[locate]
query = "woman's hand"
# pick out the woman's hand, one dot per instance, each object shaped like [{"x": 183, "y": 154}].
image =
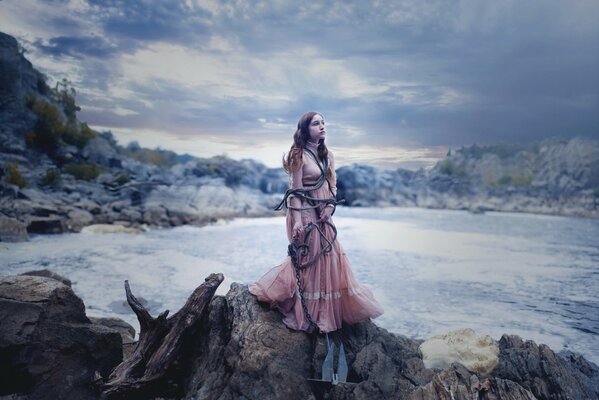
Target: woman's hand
[
  {"x": 325, "y": 214},
  {"x": 297, "y": 233}
]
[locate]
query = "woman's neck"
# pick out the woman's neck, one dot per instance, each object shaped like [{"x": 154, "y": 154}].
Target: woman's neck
[{"x": 312, "y": 145}]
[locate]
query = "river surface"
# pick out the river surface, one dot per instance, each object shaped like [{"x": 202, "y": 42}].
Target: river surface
[{"x": 432, "y": 270}]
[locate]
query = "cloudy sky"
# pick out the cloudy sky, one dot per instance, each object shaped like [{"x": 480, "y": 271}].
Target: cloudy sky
[{"x": 397, "y": 81}]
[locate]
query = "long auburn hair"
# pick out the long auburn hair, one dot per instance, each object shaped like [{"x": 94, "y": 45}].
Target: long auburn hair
[{"x": 294, "y": 158}]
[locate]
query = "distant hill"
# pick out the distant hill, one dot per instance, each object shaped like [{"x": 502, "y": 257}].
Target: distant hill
[{"x": 554, "y": 176}]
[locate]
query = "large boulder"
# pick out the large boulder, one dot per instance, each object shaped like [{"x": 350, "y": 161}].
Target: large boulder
[
  {"x": 126, "y": 331},
  {"x": 251, "y": 353},
  {"x": 78, "y": 219},
  {"x": 48, "y": 347},
  {"x": 49, "y": 274},
  {"x": 99, "y": 150},
  {"x": 50, "y": 224},
  {"x": 546, "y": 374},
  {"x": 244, "y": 351}
]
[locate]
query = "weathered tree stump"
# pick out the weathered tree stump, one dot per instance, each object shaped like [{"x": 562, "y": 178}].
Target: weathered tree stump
[{"x": 160, "y": 343}]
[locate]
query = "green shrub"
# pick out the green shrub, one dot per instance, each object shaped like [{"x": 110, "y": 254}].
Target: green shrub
[
  {"x": 448, "y": 167},
  {"x": 49, "y": 127},
  {"x": 502, "y": 150},
  {"x": 52, "y": 178},
  {"x": 157, "y": 156},
  {"x": 505, "y": 180},
  {"x": 83, "y": 171},
  {"x": 50, "y": 130},
  {"x": 13, "y": 176},
  {"x": 522, "y": 179},
  {"x": 123, "y": 178},
  {"x": 109, "y": 137},
  {"x": 78, "y": 134},
  {"x": 64, "y": 94}
]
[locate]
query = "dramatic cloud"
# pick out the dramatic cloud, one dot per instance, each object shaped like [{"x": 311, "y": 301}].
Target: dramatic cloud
[{"x": 397, "y": 81}]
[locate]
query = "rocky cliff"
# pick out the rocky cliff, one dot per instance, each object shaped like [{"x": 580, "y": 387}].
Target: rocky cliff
[
  {"x": 552, "y": 177},
  {"x": 58, "y": 175},
  {"x": 240, "y": 349}
]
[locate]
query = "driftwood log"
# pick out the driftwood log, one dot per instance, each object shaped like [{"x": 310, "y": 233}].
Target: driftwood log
[{"x": 160, "y": 343}]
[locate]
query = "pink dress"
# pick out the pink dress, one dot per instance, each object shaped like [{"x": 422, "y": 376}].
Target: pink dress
[{"x": 332, "y": 294}]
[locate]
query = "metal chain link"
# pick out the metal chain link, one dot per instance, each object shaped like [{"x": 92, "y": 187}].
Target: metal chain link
[{"x": 292, "y": 250}]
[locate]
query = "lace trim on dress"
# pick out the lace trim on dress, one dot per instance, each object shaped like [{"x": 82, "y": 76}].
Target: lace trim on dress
[{"x": 332, "y": 295}]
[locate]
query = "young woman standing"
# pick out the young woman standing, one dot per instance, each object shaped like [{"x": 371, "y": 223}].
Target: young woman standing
[{"x": 314, "y": 288}]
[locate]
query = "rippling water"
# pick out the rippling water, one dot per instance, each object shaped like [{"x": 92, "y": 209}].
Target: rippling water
[{"x": 433, "y": 271}]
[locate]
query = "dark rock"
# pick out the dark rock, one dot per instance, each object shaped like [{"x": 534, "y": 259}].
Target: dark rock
[
  {"x": 545, "y": 374},
  {"x": 156, "y": 216},
  {"x": 251, "y": 353},
  {"x": 242, "y": 350},
  {"x": 12, "y": 230},
  {"x": 245, "y": 351},
  {"x": 8, "y": 190},
  {"x": 49, "y": 274},
  {"x": 18, "y": 79},
  {"x": 88, "y": 205},
  {"x": 126, "y": 331},
  {"x": 273, "y": 180},
  {"x": 48, "y": 347},
  {"x": 99, "y": 150},
  {"x": 52, "y": 224},
  {"x": 457, "y": 383}
]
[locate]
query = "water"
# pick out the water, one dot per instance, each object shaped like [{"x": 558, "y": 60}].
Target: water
[{"x": 433, "y": 271}]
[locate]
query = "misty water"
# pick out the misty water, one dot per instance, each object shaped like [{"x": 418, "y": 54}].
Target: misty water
[{"x": 432, "y": 270}]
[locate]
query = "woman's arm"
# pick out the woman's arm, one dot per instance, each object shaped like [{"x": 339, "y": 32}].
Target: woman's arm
[
  {"x": 327, "y": 211},
  {"x": 333, "y": 178},
  {"x": 295, "y": 182}
]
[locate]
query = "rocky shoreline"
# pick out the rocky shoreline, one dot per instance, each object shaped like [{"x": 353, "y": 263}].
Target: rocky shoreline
[
  {"x": 240, "y": 349},
  {"x": 552, "y": 177}
]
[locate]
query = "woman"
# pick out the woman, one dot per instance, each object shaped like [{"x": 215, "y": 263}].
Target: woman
[{"x": 314, "y": 288}]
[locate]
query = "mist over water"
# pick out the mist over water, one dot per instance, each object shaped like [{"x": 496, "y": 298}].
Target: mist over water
[{"x": 432, "y": 270}]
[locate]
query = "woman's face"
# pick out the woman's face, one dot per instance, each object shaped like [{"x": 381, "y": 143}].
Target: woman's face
[{"x": 317, "y": 131}]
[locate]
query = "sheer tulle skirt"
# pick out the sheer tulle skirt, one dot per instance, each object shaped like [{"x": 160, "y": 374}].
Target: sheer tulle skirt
[{"x": 332, "y": 294}]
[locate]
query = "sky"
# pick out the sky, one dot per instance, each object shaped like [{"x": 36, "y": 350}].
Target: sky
[{"x": 398, "y": 82}]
